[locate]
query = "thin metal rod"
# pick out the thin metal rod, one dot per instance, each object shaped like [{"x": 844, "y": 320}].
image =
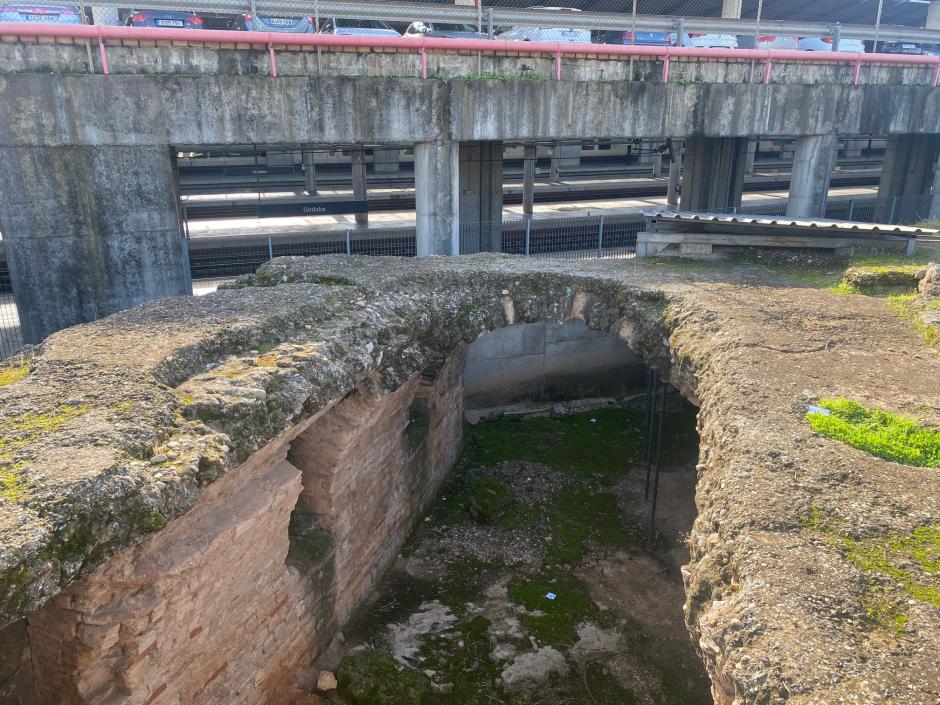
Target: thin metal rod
[
  {"x": 659, "y": 457},
  {"x": 652, "y": 380}
]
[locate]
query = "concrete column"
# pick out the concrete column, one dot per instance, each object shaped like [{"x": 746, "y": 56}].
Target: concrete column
[
  {"x": 675, "y": 170},
  {"x": 907, "y": 176},
  {"x": 731, "y": 9},
  {"x": 97, "y": 231},
  {"x": 751, "y": 157},
  {"x": 813, "y": 162},
  {"x": 713, "y": 178},
  {"x": 310, "y": 173},
  {"x": 564, "y": 155},
  {"x": 935, "y": 196},
  {"x": 481, "y": 194},
  {"x": 359, "y": 183},
  {"x": 530, "y": 160},
  {"x": 385, "y": 161},
  {"x": 437, "y": 198},
  {"x": 933, "y": 15}
]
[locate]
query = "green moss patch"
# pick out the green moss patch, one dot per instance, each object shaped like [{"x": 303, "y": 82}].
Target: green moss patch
[
  {"x": 910, "y": 308},
  {"x": 553, "y": 621},
  {"x": 878, "y": 280},
  {"x": 489, "y": 499},
  {"x": 885, "y": 435},
  {"x": 576, "y": 515},
  {"x": 373, "y": 678},
  {"x": 574, "y": 444}
]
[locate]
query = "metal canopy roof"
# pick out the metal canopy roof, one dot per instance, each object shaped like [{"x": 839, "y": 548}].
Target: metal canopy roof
[{"x": 808, "y": 223}]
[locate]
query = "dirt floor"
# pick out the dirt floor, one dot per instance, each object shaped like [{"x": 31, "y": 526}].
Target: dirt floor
[{"x": 532, "y": 580}]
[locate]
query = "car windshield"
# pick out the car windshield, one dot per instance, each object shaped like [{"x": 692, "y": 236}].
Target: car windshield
[{"x": 362, "y": 24}]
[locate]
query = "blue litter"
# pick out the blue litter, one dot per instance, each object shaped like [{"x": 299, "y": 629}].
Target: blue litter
[
  {"x": 818, "y": 410},
  {"x": 551, "y": 595},
  {"x": 593, "y": 420}
]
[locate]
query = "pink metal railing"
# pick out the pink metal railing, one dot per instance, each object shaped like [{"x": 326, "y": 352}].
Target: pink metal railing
[{"x": 422, "y": 45}]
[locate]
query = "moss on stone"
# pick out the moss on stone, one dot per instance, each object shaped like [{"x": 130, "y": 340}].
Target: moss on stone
[
  {"x": 553, "y": 620},
  {"x": 9, "y": 375},
  {"x": 373, "y": 678},
  {"x": 489, "y": 499},
  {"x": 883, "y": 434}
]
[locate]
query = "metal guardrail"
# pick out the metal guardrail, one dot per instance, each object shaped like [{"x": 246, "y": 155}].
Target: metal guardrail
[{"x": 506, "y": 16}]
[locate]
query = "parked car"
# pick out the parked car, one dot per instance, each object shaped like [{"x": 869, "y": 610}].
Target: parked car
[
  {"x": 548, "y": 34},
  {"x": 45, "y": 14},
  {"x": 652, "y": 39},
  {"x": 825, "y": 44},
  {"x": 366, "y": 28},
  {"x": 442, "y": 30},
  {"x": 769, "y": 41},
  {"x": 910, "y": 48},
  {"x": 165, "y": 18},
  {"x": 707, "y": 41},
  {"x": 271, "y": 23}
]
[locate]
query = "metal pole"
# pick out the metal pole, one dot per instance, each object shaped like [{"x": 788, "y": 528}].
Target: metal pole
[
  {"x": 680, "y": 30},
  {"x": 659, "y": 458},
  {"x": 254, "y": 12},
  {"x": 489, "y": 22},
  {"x": 633, "y": 34},
  {"x": 270, "y": 249},
  {"x": 851, "y": 209},
  {"x": 348, "y": 244},
  {"x": 760, "y": 14},
  {"x": 528, "y": 235},
  {"x": 836, "y": 36},
  {"x": 652, "y": 378},
  {"x": 894, "y": 208},
  {"x": 600, "y": 237}
]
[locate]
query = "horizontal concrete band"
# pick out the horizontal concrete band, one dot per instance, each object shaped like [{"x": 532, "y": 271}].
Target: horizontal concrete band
[{"x": 54, "y": 110}]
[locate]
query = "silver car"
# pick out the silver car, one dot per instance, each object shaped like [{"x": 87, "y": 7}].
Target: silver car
[
  {"x": 825, "y": 44},
  {"x": 357, "y": 28},
  {"x": 548, "y": 34},
  {"x": 703, "y": 40}
]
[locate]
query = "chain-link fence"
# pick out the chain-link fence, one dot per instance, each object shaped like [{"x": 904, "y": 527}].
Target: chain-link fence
[{"x": 611, "y": 235}]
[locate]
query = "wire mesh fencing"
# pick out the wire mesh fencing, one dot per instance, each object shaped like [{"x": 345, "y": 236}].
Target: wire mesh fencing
[{"x": 11, "y": 338}]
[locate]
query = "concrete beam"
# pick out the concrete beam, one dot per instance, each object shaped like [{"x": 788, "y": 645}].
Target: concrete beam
[
  {"x": 813, "y": 162},
  {"x": 93, "y": 231},
  {"x": 933, "y": 15},
  {"x": 437, "y": 198},
  {"x": 713, "y": 178},
  {"x": 731, "y": 9},
  {"x": 481, "y": 196},
  {"x": 906, "y": 177}
]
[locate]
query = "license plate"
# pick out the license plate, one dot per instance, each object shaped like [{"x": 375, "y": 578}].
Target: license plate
[
  {"x": 279, "y": 21},
  {"x": 42, "y": 18},
  {"x": 169, "y": 23}
]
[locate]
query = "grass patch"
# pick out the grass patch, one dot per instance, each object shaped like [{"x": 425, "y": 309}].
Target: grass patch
[
  {"x": 576, "y": 515},
  {"x": 9, "y": 375},
  {"x": 885, "y": 435},
  {"x": 573, "y": 444},
  {"x": 907, "y": 308}
]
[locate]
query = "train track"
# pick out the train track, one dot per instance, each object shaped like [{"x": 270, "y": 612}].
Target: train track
[{"x": 403, "y": 202}]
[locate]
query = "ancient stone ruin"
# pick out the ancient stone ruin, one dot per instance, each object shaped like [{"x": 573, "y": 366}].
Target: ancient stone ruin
[{"x": 198, "y": 493}]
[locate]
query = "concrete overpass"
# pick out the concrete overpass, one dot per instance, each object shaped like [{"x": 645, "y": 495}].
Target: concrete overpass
[{"x": 91, "y": 209}]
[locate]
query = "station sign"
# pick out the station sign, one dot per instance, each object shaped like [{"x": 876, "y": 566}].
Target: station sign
[
  {"x": 259, "y": 170},
  {"x": 282, "y": 210}
]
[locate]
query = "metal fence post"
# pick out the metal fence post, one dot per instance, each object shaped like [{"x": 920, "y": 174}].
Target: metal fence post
[
  {"x": 270, "y": 248},
  {"x": 348, "y": 244},
  {"x": 600, "y": 237},
  {"x": 894, "y": 208},
  {"x": 836, "y": 36},
  {"x": 528, "y": 235},
  {"x": 680, "y": 31},
  {"x": 851, "y": 209},
  {"x": 489, "y": 22}
]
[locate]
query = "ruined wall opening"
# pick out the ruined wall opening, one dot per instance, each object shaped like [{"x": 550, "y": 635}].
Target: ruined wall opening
[{"x": 533, "y": 577}]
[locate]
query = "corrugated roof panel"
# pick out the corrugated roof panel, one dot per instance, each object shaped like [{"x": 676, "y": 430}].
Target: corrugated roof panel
[{"x": 818, "y": 223}]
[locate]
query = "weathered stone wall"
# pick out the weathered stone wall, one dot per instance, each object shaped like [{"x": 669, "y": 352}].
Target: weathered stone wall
[{"x": 231, "y": 600}]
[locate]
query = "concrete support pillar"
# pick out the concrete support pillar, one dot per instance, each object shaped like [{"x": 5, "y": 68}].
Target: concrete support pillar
[
  {"x": 385, "y": 161},
  {"x": 933, "y": 15},
  {"x": 310, "y": 173},
  {"x": 98, "y": 231},
  {"x": 675, "y": 171},
  {"x": 731, "y": 9},
  {"x": 751, "y": 157},
  {"x": 813, "y": 163},
  {"x": 530, "y": 160},
  {"x": 481, "y": 195},
  {"x": 564, "y": 155},
  {"x": 359, "y": 183},
  {"x": 935, "y": 195},
  {"x": 713, "y": 178},
  {"x": 907, "y": 176},
  {"x": 437, "y": 198}
]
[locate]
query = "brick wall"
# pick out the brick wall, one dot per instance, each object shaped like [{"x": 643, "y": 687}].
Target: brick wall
[{"x": 210, "y": 610}]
